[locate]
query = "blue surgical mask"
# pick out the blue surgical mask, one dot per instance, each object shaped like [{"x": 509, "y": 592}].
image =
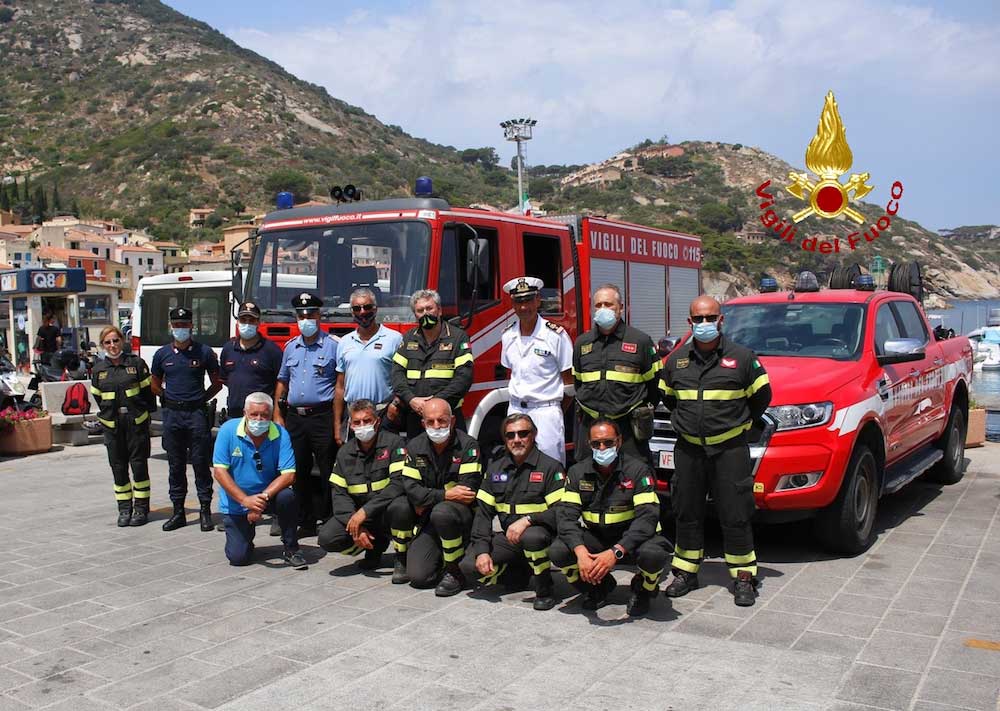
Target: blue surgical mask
[
  {"x": 181, "y": 334},
  {"x": 248, "y": 331},
  {"x": 605, "y": 318},
  {"x": 705, "y": 332},
  {"x": 258, "y": 427},
  {"x": 604, "y": 457},
  {"x": 308, "y": 327}
]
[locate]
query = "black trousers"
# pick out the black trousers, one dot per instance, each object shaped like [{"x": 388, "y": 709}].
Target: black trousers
[
  {"x": 531, "y": 555},
  {"x": 650, "y": 558},
  {"x": 187, "y": 437},
  {"x": 312, "y": 441},
  {"x": 240, "y": 532},
  {"x": 728, "y": 475},
  {"x": 334, "y": 538},
  {"x": 429, "y": 541},
  {"x": 630, "y": 445},
  {"x": 128, "y": 445}
]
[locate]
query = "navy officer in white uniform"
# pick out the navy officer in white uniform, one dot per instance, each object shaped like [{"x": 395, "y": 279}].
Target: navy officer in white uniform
[{"x": 539, "y": 354}]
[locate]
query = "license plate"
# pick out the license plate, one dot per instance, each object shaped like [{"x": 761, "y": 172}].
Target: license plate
[{"x": 666, "y": 460}]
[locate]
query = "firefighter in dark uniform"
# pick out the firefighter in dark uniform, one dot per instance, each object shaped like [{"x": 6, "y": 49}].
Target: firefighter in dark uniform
[
  {"x": 123, "y": 389},
  {"x": 521, "y": 489},
  {"x": 434, "y": 360},
  {"x": 615, "y": 373},
  {"x": 430, "y": 523},
  {"x": 715, "y": 389},
  {"x": 364, "y": 481},
  {"x": 306, "y": 380},
  {"x": 178, "y": 371},
  {"x": 615, "y": 496}
]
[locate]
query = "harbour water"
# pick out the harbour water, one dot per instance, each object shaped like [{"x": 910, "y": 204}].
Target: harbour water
[{"x": 964, "y": 317}]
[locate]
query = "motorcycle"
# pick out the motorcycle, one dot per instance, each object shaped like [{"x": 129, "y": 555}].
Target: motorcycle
[
  {"x": 12, "y": 390},
  {"x": 60, "y": 366}
]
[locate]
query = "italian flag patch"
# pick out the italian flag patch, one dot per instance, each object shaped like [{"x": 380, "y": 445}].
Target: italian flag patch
[
  {"x": 560, "y": 476},
  {"x": 645, "y": 481},
  {"x": 401, "y": 451}
]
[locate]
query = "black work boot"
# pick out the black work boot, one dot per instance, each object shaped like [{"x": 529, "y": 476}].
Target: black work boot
[
  {"x": 371, "y": 561},
  {"x": 452, "y": 582},
  {"x": 597, "y": 596},
  {"x": 176, "y": 519},
  {"x": 744, "y": 589},
  {"x": 399, "y": 576},
  {"x": 205, "y": 518},
  {"x": 124, "y": 513},
  {"x": 683, "y": 583},
  {"x": 140, "y": 513},
  {"x": 544, "y": 592},
  {"x": 638, "y": 602}
]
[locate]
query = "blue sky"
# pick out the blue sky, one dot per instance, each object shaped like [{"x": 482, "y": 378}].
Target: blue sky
[{"x": 918, "y": 83}]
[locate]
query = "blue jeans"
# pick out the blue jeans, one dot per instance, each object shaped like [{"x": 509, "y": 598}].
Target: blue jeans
[{"x": 240, "y": 532}]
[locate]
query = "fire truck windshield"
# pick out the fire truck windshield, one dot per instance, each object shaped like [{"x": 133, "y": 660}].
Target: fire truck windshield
[
  {"x": 791, "y": 329},
  {"x": 389, "y": 258}
]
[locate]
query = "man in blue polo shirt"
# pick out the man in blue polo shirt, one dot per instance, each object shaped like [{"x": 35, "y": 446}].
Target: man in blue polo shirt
[
  {"x": 364, "y": 359},
  {"x": 255, "y": 466},
  {"x": 307, "y": 376},
  {"x": 249, "y": 363}
]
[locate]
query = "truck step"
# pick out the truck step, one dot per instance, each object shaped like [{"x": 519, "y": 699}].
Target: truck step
[{"x": 910, "y": 468}]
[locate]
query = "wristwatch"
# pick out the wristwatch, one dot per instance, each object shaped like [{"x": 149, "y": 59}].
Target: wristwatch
[
  {"x": 619, "y": 551},
  {"x": 267, "y": 497}
]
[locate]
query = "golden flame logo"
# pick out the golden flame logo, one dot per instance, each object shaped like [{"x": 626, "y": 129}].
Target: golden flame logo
[{"x": 829, "y": 156}]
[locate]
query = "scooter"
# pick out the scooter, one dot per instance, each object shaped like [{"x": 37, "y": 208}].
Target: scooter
[
  {"x": 12, "y": 390},
  {"x": 61, "y": 366}
]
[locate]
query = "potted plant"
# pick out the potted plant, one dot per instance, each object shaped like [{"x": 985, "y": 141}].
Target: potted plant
[
  {"x": 975, "y": 435},
  {"x": 27, "y": 431}
]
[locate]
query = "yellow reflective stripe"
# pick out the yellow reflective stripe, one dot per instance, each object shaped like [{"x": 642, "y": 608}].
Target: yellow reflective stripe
[
  {"x": 450, "y": 485},
  {"x": 338, "y": 480},
  {"x": 141, "y": 485},
  {"x": 716, "y": 439},
  {"x": 615, "y": 376},
  {"x": 593, "y": 413},
  {"x": 685, "y": 565},
  {"x": 463, "y": 359},
  {"x": 439, "y": 373},
  {"x": 667, "y": 390},
  {"x": 536, "y": 555},
  {"x": 220, "y": 465},
  {"x": 470, "y": 468},
  {"x": 686, "y": 394},
  {"x": 353, "y": 550},
  {"x": 653, "y": 370},
  {"x": 648, "y": 497},
  {"x": 396, "y": 466},
  {"x": 530, "y": 508},
  {"x": 608, "y": 518},
  {"x": 493, "y": 577},
  {"x": 572, "y": 497},
  {"x": 649, "y": 580},
  {"x": 96, "y": 391},
  {"x": 123, "y": 487},
  {"x": 591, "y": 377},
  {"x": 142, "y": 418},
  {"x": 486, "y": 497},
  {"x": 124, "y": 497},
  {"x": 402, "y": 533},
  {"x": 554, "y": 497},
  {"x": 400, "y": 360},
  {"x": 141, "y": 493},
  {"x": 380, "y": 484},
  {"x": 501, "y": 508},
  {"x": 758, "y": 384},
  {"x": 106, "y": 423},
  {"x": 572, "y": 573},
  {"x": 357, "y": 489},
  {"x": 723, "y": 394},
  {"x": 145, "y": 382},
  {"x": 108, "y": 396},
  {"x": 591, "y": 517},
  {"x": 451, "y": 542},
  {"x": 412, "y": 473},
  {"x": 452, "y": 556},
  {"x": 750, "y": 557},
  {"x": 131, "y": 392},
  {"x": 689, "y": 554},
  {"x": 413, "y": 375}
]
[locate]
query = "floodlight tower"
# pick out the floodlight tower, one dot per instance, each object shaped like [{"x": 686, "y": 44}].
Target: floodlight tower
[{"x": 519, "y": 131}]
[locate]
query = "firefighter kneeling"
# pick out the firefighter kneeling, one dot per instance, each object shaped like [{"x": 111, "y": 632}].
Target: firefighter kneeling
[{"x": 614, "y": 494}]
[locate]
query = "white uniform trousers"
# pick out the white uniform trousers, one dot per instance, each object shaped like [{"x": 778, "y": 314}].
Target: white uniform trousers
[{"x": 551, "y": 438}]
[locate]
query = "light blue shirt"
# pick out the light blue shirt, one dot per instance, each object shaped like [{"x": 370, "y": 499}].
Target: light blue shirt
[
  {"x": 310, "y": 371},
  {"x": 234, "y": 450},
  {"x": 366, "y": 365}
]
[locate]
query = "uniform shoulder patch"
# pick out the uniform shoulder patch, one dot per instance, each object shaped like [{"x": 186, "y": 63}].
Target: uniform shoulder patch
[
  {"x": 586, "y": 348},
  {"x": 586, "y": 485},
  {"x": 728, "y": 363},
  {"x": 401, "y": 451},
  {"x": 682, "y": 363},
  {"x": 473, "y": 452},
  {"x": 629, "y": 347},
  {"x": 554, "y": 326},
  {"x": 536, "y": 477},
  {"x": 559, "y": 476},
  {"x": 412, "y": 345},
  {"x": 645, "y": 481}
]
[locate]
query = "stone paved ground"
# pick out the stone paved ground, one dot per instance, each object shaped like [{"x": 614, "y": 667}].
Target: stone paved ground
[{"x": 96, "y": 617}]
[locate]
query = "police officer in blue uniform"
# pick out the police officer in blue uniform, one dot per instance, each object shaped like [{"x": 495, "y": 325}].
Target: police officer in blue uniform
[
  {"x": 306, "y": 381},
  {"x": 178, "y": 374},
  {"x": 249, "y": 363}
]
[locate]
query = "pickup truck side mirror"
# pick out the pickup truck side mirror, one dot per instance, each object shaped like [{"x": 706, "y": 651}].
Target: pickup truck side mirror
[{"x": 901, "y": 350}]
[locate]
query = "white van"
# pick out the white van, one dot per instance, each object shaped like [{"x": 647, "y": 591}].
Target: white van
[{"x": 209, "y": 297}]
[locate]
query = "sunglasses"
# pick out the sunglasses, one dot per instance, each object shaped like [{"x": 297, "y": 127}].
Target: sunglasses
[
  {"x": 110, "y": 341},
  {"x": 258, "y": 462},
  {"x": 602, "y": 443},
  {"x": 711, "y": 318},
  {"x": 523, "y": 434},
  {"x": 362, "y": 307}
]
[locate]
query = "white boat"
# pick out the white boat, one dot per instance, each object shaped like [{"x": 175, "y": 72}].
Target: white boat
[{"x": 987, "y": 354}]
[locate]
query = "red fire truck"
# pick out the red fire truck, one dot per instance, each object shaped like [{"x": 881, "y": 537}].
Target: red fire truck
[{"x": 395, "y": 247}]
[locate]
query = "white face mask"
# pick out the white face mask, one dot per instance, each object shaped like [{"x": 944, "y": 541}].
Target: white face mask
[
  {"x": 439, "y": 435},
  {"x": 365, "y": 433},
  {"x": 258, "y": 427}
]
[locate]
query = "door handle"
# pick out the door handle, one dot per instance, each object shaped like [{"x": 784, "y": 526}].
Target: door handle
[
  {"x": 939, "y": 362},
  {"x": 883, "y": 389},
  {"x": 914, "y": 373}
]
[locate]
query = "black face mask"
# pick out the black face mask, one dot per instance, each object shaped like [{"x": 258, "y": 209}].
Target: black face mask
[
  {"x": 365, "y": 318},
  {"x": 428, "y": 321}
]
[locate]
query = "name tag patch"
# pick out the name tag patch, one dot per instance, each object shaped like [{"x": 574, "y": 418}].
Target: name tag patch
[
  {"x": 629, "y": 348},
  {"x": 683, "y": 363},
  {"x": 536, "y": 477},
  {"x": 498, "y": 477},
  {"x": 586, "y": 348},
  {"x": 627, "y": 484},
  {"x": 728, "y": 363},
  {"x": 586, "y": 486},
  {"x": 377, "y": 347},
  {"x": 412, "y": 345},
  {"x": 542, "y": 352},
  {"x": 446, "y": 346}
]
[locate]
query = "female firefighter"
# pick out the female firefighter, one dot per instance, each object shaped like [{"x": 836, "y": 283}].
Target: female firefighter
[{"x": 121, "y": 386}]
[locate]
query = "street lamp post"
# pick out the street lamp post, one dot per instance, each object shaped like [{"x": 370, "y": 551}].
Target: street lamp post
[{"x": 519, "y": 131}]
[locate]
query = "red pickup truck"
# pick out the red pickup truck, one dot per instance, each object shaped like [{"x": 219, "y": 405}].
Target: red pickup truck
[{"x": 865, "y": 399}]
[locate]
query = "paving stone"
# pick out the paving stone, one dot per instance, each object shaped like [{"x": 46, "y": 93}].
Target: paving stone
[
  {"x": 10, "y": 679},
  {"x": 794, "y": 604},
  {"x": 974, "y": 691},
  {"x": 955, "y": 653},
  {"x": 949, "y": 550},
  {"x": 913, "y": 623},
  {"x": 835, "y": 622},
  {"x": 898, "y": 650},
  {"x": 708, "y": 625},
  {"x": 865, "y": 605},
  {"x": 319, "y": 620},
  {"x": 975, "y": 616},
  {"x": 135, "y": 614},
  {"x": 55, "y": 688},
  {"x": 878, "y": 686},
  {"x": 872, "y": 586},
  {"x": 141, "y": 659},
  {"x": 777, "y": 629},
  {"x": 49, "y": 663},
  {"x": 911, "y": 602},
  {"x": 151, "y": 629},
  {"x": 326, "y": 644},
  {"x": 156, "y": 681},
  {"x": 213, "y": 691},
  {"x": 54, "y": 618},
  {"x": 832, "y": 644},
  {"x": 236, "y": 625},
  {"x": 242, "y": 649},
  {"x": 65, "y": 636},
  {"x": 435, "y": 696}
]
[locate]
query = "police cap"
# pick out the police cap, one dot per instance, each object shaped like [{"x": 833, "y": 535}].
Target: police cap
[
  {"x": 180, "y": 314},
  {"x": 249, "y": 308},
  {"x": 305, "y": 300},
  {"x": 523, "y": 288}
]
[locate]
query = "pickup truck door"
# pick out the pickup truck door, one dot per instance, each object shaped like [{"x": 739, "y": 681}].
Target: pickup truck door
[
  {"x": 894, "y": 384},
  {"x": 927, "y": 418}
]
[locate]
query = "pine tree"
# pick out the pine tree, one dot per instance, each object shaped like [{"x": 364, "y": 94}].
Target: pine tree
[
  {"x": 75, "y": 209},
  {"x": 4, "y": 199},
  {"x": 39, "y": 206},
  {"x": 26, "y": 196},
  {"x": 56, "y": 203}
]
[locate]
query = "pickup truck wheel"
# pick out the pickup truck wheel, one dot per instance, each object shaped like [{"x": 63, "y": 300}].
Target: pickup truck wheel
[
  {"x": 845, "y": 526},
  {"x": 951, "y": 468}
]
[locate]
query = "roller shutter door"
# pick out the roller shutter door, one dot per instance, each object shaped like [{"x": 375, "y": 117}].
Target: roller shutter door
[
  {"x": 607, "y": 271},
  {"x": 683, "y": 289},
  {"x": 648, "y": 305}
]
